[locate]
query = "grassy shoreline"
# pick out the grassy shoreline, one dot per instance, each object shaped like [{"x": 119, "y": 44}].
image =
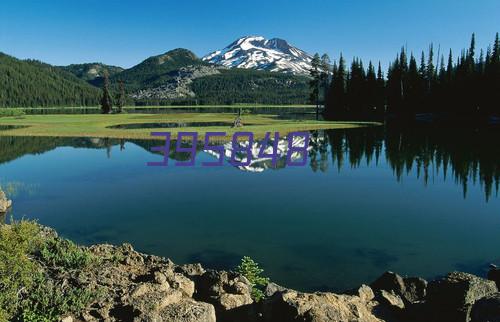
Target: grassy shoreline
[
  {"x": 98, "y": 125},
  {"x": 132, "y": 107}
]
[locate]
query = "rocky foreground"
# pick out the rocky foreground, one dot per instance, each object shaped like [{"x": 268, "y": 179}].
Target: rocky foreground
[
  {"x": 5, "y": 203},
  {"x": 139, "y": 287},
  {"x": 46, "y": 278}
]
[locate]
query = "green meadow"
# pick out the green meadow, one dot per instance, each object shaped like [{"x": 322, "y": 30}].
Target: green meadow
[{"x": 100, "y": 125}]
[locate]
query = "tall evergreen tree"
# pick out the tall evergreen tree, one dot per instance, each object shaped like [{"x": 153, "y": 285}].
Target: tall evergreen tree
[
  {"x": 414, "y": 89},
  {"x": 120, "y": 101},
  {"x": 356, "y": 88},
  {"x": 371, "y": 90},
  {"x": 106, "y": 103},
  {"x": 449, "y": 68},
  {"x": 430, "y": 72},
  {"x": 495, "y": 54},
  {"x": 472, "y": 48},
  {"x": 336, "y": 94},
  {"x": 380, "y": 104},
  {"x": 315, "y": 82},
  {"x": 324, "y": 80}
]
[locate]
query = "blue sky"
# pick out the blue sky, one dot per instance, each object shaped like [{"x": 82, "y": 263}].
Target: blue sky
[{"x": 126, "y": 32}]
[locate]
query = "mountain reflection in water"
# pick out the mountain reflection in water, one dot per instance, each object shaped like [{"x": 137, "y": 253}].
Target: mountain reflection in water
[{"x": 467, "y": 156}]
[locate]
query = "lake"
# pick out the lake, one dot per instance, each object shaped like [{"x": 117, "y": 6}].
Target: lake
[{"x": 416, "y": 200}]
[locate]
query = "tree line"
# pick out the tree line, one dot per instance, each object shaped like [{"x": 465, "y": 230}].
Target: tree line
[
  {"x": 463, "y": 87},
  {"x": 30, "y": 83}
]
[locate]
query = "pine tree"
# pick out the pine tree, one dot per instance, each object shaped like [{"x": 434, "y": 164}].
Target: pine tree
[
  {"x": 414, "y": 87},
  {"x": 356, "y": 88},
  {"x": 472, "y": 48},
  {"x": 371, "y": 89},
  {"x": 253, "y": 273},
  {"x": 336, "y": 106},
  {"x": 495, "y": 55},
  {"x": 494, "y": 78},
  {"x": 449, "y": 68},
  {"x": 324, "y": 79},
  {"x": 106, "y": 103},
  {"x": 423, "y": 68},
  {"x": 380, "y": 90},
  {"x": 315, "y": 82},
  {"x": 430, "y": 72},
  {"x": 120, "y": 101}
]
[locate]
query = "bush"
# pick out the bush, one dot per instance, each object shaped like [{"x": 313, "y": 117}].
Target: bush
[
  {"x": 26, "y": 292},
  {"x": 17, "y": 241},
  {"x": 48, "y": 302},
  {"x": 15, "y": 112},
  {"x": 64, "y": 253},
  {"x": 251, "y": 270}
]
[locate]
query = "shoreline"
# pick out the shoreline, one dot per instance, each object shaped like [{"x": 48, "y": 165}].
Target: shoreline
[
  {"x": 101, "y": 125},
  {"x": 121, "y": 284}
]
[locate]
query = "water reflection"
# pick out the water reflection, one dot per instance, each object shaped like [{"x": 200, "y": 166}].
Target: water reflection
[
  {"x": 260, "y": 163},
  {"x": 467, "y": 156}
]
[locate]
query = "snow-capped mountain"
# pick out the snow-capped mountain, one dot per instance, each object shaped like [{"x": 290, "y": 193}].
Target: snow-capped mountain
[{"x": 263, "y": 54}]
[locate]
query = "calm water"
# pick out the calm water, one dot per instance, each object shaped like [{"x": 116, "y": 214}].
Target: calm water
[{"x": 418, "y": 201}]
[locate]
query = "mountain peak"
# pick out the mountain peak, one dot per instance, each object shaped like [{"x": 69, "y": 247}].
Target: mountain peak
[
  {"x": 174, "y": 54},
  {"x": 257, "y": 52}
]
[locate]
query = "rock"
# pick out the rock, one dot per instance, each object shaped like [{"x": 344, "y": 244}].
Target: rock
[
  {"x": 180, "y": 282},
  {"x": 160, "y": 278},
  {"x": 149, "y": 297},
  {"x": 67, "y": 319},
  {"x": 365, "y": 293},
  {"x": 272, "y": 288},
  {"x": 318, "y": 307},
  {"x": 191, "y": 269},
  {"x": 188, "y": 311},
  {"x": 179, "y": 85},
  {"x": 5, "y": 203},
  {"x": 229, "y": 292},
  {"x": 392, "y": 300},
  {"x": 389, "y": 281},
  {"x": 494, "y": 274},
  {"x": 415, "y": 289},
  {"x": 486, "y": 309},
  {"x": 226, "y": 290},
  {"x": 390, "y": 306},
  {"x": 451, "y": 297},
  {"x": 410, "y": 289}
]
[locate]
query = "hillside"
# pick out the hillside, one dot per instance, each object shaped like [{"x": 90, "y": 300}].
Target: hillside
[
  {"x": 158, "y": 69},
  {"x": 175, "y": 77},
  {"x": 31, "y": 83},
  {"x": 179, "y": 76},
  {"x": 251, "y": 86},
  {"x": 92, "y": 72}
]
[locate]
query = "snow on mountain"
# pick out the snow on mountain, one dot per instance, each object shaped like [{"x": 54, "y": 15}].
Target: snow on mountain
[{"x": 259, "y": 53}]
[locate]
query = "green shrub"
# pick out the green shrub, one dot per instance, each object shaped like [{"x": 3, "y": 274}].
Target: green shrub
[
  {"x": 17, "y": 242},
  {"x": 15, "y": 112},
  {"x": 251, "y": 270},
  {"x": 48, "y": 302},
  {"x": 64, "y": 253},
  {"x": 26, "y": 294}
]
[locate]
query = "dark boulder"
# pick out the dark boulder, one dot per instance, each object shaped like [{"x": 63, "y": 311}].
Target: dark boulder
[
  {"x": 494, "y": 274},
  {"x": 229, "y": 292},
  {"x": 410, "y": 289},
  {"x": 272, "y": 288},
  {"x": 290, "y": 306},
  {"x": 451, "y": 298},
  {"x": 486, "y": 309}
]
